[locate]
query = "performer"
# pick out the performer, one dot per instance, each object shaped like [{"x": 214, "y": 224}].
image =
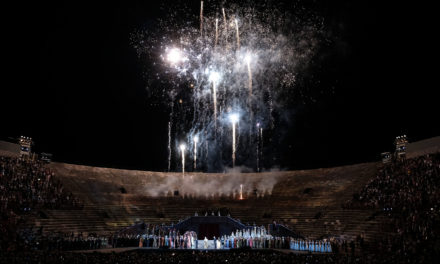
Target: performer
[
  {"x": 218, "y": 244},
  {"x": 205, "y": 243},
  {"x": 141, "y": 242},
  {"x": 154, "y": 241},
  {"x": 188, "y": 245},
  {"x": 171, "y": 241},
  {"x": 329, "y": 247}
]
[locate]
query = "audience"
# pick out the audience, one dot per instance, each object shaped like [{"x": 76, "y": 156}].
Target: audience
[
  {"x": 407, "y": 192},
  {"x": 27, "y": 185}
]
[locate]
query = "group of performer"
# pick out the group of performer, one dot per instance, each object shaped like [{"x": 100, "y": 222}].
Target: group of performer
[
  {"x": 257, "y": 238},
  {"x": 268, "y": 241},
  {"x": 172, "y": 240},
  {"x": 311, "y": 245}
]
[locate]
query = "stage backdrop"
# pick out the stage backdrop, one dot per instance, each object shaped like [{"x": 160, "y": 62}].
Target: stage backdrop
[{"x": 208, "y": 230}]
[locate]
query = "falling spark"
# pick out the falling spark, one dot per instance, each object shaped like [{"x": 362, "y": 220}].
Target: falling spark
[
  {"x": 233, "y": 145},
  {"x": 169, "y": 145},
  {"x": 258, "y": 151},
  {"x": 241, "y": 191},
  {"x": 214, "y": 97},
  {"x": 225, "y": 26},
  {"x": 170, "y": 126},
  {"x": 196, "y": 139},
  {"x": 248, "y": 61},
  {"x": 201, "y": 18},
  {"x": 238, "y": 34},
  {"x": 251, "y": 113},
  {"x": 182, "y": 149},
  {"x": 206, "y": 146},
  {"x": 214, "y": 78},
  {"x": 271, "y": 118},
  {"x": 234, "y": 119},
  {"x": 216, "y": 32},
  {"x": 261, "y": 140}
]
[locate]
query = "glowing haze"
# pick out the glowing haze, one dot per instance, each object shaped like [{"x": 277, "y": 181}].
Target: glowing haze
[{"x": 238, "y": 60}]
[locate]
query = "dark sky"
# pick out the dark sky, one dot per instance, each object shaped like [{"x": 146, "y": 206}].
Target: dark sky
[{"x": 74, "y": 83}]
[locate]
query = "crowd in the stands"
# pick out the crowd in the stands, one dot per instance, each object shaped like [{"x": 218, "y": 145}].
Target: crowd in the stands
[
  {"x": 407, "y": 191},
  {"x": 35, "y": 240},
  {"x": 27, "y": 185}
]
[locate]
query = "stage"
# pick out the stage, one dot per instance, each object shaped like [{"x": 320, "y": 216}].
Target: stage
[{"x": 200, "y": 248}]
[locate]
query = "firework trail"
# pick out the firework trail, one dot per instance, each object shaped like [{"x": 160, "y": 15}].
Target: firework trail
[
  {"x": 238, "y": 34},
  {"x": 233, "y": 145},
  {"x": 182, "y": 149},
  {"x": 272, "y": 47},
  {"x": 214, "y": 97},
  {"x": 261, "y": 141},
  {"x": 201, "y": 18},
  {"x": 216, "y": 32},
  {"x": 206, "y": 146},
  {"x": 251, "y": 114},
  {"x": 234, "y": 119},
  {"x": 170, "y": 126},
  {"x": 169, "y": 146},
  {"x": 248, "y": 62},
  {"x": 258, "y": 150},
  {"x": 196, "y": 139},
  {"x": 225, "y": 26}
]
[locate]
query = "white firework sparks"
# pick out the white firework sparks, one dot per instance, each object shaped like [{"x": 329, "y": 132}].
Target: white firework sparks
[{"x": 250, "y": 76}]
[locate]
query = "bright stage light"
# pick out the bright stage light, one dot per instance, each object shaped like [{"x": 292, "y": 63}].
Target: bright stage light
[{"x": 196, "y": 139}]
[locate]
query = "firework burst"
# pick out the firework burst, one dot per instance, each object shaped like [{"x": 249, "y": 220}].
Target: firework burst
[{"x": 240, "y": 63}]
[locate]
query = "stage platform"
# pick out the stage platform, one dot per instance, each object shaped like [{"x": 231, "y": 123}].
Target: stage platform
[{"x": 210, "y": 248}]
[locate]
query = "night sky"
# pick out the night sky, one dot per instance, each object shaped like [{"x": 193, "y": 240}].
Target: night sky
[{"x": 75, "y": 84}]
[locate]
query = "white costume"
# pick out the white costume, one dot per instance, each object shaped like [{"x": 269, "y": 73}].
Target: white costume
[{"x": 205, "y": 243}]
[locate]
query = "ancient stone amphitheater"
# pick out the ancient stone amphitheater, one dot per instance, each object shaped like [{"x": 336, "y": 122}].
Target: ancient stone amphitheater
[{"x": 308, "y": 201}]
